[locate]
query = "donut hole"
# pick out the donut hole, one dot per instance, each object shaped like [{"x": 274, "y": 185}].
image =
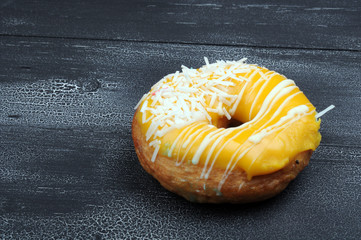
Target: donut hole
[
  {"x": 225, "y": 123},
  {"x": 234, "y": 123}
]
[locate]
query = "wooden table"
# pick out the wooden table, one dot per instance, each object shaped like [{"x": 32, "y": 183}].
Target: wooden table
[{"x": 71, "y": 73}]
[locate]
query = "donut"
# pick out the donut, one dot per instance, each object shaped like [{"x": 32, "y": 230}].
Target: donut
[{"x": 228, "y": 132}]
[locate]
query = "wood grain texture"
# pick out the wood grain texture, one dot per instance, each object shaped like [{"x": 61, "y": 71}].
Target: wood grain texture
[
  {"x": 62, "y": 184},
  {"x": 68, "y": 168},
  {"x": 305, "y": 24}
]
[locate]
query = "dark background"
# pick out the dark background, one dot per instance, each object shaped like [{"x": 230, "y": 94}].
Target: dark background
[{"x": 71, "y": 73}]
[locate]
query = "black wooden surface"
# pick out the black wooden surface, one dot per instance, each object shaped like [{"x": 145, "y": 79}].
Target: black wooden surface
[
  {"x": 307, "y": 24},
  {"x": 67, "y": 91}
]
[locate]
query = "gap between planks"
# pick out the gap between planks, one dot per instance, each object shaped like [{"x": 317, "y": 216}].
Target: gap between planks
[{"x": 180, "y": 43}]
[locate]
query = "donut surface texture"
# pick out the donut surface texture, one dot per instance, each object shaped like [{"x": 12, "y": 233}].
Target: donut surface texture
[{"x": 183, "y": 134}]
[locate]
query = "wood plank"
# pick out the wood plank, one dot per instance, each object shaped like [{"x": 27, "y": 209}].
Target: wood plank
[
  {"x": 67, "y": 183},
  {"x": 75, "y": 84},
  {"x": 68, "y": 168},
  {"x": 306, "y": 24}
]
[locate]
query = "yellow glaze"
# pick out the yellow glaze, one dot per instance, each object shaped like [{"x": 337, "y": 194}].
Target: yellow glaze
[{"x": 232, "y": 148}]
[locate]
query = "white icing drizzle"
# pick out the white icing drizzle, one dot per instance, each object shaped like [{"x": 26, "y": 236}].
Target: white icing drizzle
[
  {"x": 299, "y": 110},
  {"x": 266, "y": 79},
  {"x": 220, "y": 137},
  {"x": 207, "y": 139},
  {"x": 188, "y": 129},
  {"x": 272, "y": 95},
  {"x": 155, "y": 143},
  {"x": 329, "y": 108},
  {"x": 256, "y": 98},
  {"x": 231, "y": 166},
  {"x": 241, "y": 186},
  {"x": 194, "y": 139}
]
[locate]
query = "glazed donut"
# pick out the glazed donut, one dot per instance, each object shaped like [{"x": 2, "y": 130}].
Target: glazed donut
[{"x": 185, "y": 136}]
